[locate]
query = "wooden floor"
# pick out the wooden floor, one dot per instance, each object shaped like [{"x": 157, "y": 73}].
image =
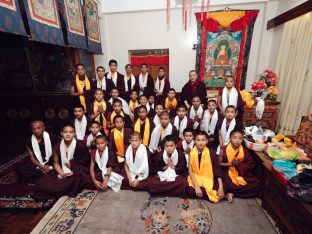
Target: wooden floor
[{"x": 19, "y": 223}]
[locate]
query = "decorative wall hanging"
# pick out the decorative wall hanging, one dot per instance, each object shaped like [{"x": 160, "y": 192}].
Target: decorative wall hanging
[
  {"x": 11, "y": 18},
  {"x": 223, "y": 46},
  {"x": 93, "y": 27}
]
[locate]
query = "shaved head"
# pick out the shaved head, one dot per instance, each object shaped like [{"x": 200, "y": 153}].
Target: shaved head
[{"x": 40, "y": 122}]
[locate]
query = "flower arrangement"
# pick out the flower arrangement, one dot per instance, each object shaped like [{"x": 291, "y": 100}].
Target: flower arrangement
[
  {"x": 269, "y": 77},
  {"x": 272, "y": 92},
  {"x": 258, "y": 87},
  {"x": 267, "y": 83}
]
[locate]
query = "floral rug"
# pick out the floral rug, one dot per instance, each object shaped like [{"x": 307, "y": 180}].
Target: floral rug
[{"x": 15, "y": 195}]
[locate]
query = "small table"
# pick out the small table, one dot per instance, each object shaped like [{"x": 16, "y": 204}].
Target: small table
[{"x": 291, "y": 215}]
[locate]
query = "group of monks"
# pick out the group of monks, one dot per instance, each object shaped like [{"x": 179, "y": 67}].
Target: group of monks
[{"x": 135, "y": 133}]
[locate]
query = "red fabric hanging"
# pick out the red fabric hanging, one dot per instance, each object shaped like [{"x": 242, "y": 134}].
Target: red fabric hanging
[{"x": 150, "y": 60}]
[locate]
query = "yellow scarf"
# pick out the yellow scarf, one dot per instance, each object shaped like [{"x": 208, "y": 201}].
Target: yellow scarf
[
  {"x": 95, "y": 109},
  {"x": 203, "y": 175},
  {"x": 80, "y": 86},
  {"x": 119, "y": 142},
  {"x": 132, "y": 106},
  {"x": 146, "y": 134},
  {"x": 114, "y": 114},
  {"x": 174, "y": 104},
  {"x": 233, "y": 173}
]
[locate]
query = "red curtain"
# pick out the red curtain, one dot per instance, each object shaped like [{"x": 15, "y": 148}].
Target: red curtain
[{"x": 157, "y": 60}]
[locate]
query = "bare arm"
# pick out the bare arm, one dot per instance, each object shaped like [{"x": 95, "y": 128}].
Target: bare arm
[
  {"x": 220, "y": 159},
  {"x": 220, "y": 105},
  {"x": 192, "y": 176},
  {"x": 220, "y": 138},
  {"x": 128, "y": 172},
  {"x": 56, "y": 164},
  {"x": 73, "y": 93},
  {"x": 33, "y": 159},
  {"x": 92, "y": 174}
]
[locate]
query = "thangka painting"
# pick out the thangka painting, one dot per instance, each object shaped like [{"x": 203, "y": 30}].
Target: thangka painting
[
  {"x": 75, "y": 27},
  {"x": 11, "y": 18},
  {"x": 44, "y": 22},
  {"x": 224, "y": 41},
  {"x": 94, "y": 40}
]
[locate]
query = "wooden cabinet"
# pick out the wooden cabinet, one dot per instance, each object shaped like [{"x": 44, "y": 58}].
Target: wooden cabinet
[{"x": 269, "y": 116}]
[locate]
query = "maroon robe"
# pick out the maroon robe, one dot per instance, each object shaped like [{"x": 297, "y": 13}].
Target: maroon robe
[
  {"x": 149, "y": 89},
  {"x": 88, "y": 94},
  {"x": 127, "y": 133},
  {"x": 50, "y": 186},
  {"x": 120, "y": 84},
  {"x": 245, "y": 169},
  {"x": 142, "y": 128},
  {"x": 108, "y": 108},
  {"x": 189, "y": 123},
  {"x": 161, "y": 99},
  {"x": 111, "y": 162},
  {"x": 28, "y": 172},
  {"x": 174, "y": 133},
  {"x": 87, "y": 132},
  {"x": 109, "y": 86},
  {"x": 240, "y": 104},
  {"x": 215, "y": 136},
  {"x": 238, "y": 124},
  {"x": 217, "y": 173},
  {"x": 188, "y": 92},
  {"x": 180, "y": 146},
  {"x": 150, "y": 114},
  {"x": 136, "y": 87},
  {"x": 177, "y": 188},
  {"x": 193, "y": 122},
  {"x": 127, "y": 119},
  {"x": 143, "y": 185}
]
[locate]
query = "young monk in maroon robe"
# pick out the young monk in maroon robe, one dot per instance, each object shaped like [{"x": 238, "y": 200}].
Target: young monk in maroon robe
[
  {"x": 131, "y": 83},
  {"x": 186, "y": 144},
  {"x": 94, "y": 129},
  {"x": 103, "y": 161},
  {"x": 196, "y": 113},
  {"x": 205, "y": 176},
  {"x": 210, "y": 122},
  {"x": 181, "y": 121},
  {"x": 162, "y": 86},
  {"x": 39, "y": 147},
  {"x": 81, "y": 122},
  {"x": 158, "y": 110},
  {"x": 98, "y": 110},
  {"x": 115, "y": 76},
  {"x": 117, "y": 110},
  {"x": 146, "y": 82},
  {"x": 163, "y": 129},
  {"x": 229, "y": 96},
  {"x": 137, "y": 165},
  {"x": 119, "y": 139},
  {"x": 143, "y": 102},
  {"x": 144, "y": 125},
  {"x": 170, "y": 103},
  {"x": 171, "y": 171},
  {"x": 71, "y": 161},
  {"x": 80, "y": 87},
  {"x": 238, "y": 166},
  {"x": 103, "y": 83},
  {"x": 193, "y": 88}
]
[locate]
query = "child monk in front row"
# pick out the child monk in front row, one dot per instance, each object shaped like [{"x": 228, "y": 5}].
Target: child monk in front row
[
  {"x": 137, "y": 165},
  {"x": 238, "y": 165},
  {"x": 171, "y": 170},
  {"x": 103, "y": 160},
  {"x": 205, "y": 175}
]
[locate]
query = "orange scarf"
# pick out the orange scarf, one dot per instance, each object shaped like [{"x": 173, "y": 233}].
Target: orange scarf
[
  {"x": 203, "y": 174},
  {"x": 173, "y": 103},
  {"x": 232, "y": 153},
  {"x": 95, "y": 109},
  {"x": 132, "y": 106},
  {"x": 114, "y": 114},
  {"x": 81, "y": 84},
  {"x": 146, "y": 135},
  {"x": 119, "y": 143}
]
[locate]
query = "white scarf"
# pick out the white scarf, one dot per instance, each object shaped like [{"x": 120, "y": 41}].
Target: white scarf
[
  {"x": 80, "y": 127},
  {"x": 156, "y": 120},
  {"x": 140, "y": 166},
  {"x": 132, "y": 78},
  {"x": 66, "y": 157},
  {"x": 150, "y": 106},
  {"x": 185, "y": 145},
  {"x": 143, "y": 83},
  {"x": 182, "y": 125},
  {"x": 47, "y": 146},
  {"x": 229, "y": 98},
  {"x": 99, "y": 86},
  {"x": 207, "y": 125},
  {"x": 114, "y": 79},
  {"x": 90, "y": 138},
  {"x": 160, "y": 87},
  {"x": 198, "y": 113},
  {"x": 156, "y": 136},
  {"x": 115, "y": 179},
  {"x": 226, "y": 133},
  {"x": 124, "y": 104},
  {"x": 169, "y": 174}
]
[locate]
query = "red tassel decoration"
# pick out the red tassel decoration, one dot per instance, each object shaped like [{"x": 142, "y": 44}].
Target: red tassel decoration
[
  {"x": 208, "y": 6},
  {"x": 185, "y": 20},
  {"x": 183, "y": 13},
  {"x": 202, "y": 10},
  {"x": 190, "y": 11},
  {"x": 168, "y": 14}
]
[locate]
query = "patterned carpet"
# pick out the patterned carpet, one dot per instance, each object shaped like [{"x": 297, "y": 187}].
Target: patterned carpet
[{"x": 137, "y": 212}]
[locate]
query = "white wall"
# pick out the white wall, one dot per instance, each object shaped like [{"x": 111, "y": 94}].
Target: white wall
[{"x": 148, "y": 30}]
